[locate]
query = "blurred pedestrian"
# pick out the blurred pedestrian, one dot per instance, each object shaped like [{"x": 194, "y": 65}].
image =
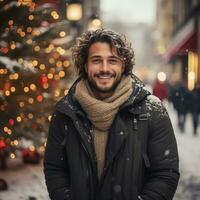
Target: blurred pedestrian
[
  {"x": 195, "y": 107},
  {"x": 160, "y": 90},
  {"x": 109, "y": 138},
  {"x": 181, "y": 99}
]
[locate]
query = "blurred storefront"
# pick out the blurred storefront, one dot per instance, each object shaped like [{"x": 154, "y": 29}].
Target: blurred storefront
[{"x": 178, "y": 44}]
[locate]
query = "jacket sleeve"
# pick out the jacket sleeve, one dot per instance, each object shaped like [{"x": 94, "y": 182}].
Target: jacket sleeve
[
  {"x": 161, "y": 178},
  {"x": 55, "y": 161}
]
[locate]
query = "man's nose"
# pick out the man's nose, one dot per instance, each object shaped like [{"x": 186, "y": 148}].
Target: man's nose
[{"x": 104, "y": 66}]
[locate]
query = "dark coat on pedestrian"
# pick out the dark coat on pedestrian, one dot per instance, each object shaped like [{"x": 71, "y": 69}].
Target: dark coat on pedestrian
[{"x": 141, "y": 160}]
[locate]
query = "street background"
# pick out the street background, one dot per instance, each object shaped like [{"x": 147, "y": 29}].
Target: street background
[{"x": 36, "y": 70}]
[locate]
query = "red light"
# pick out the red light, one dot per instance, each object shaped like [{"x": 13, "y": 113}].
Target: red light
[
  {"x": 39, "y": 98},
  {"x": 11, "y": 122}
]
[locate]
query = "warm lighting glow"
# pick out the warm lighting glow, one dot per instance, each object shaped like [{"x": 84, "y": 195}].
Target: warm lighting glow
[
  {"x": 66, "y": 92},
  {"x": 33, "y": 86},
  {"x": 5, "y": 129},
  {"x": 51, "y": 60},
  {"x": 50, "y": 75},
  {"x": 21, "y": 104},
  {"x": 55, "y": 15},
  {"x": 15, "y": 76},
  {"x": 161, "y": 76},
  {"x": 192, "y": 69},
  {"x": 39, "y": 98},
  {"x": 12, "y": 156},
  {"x": 30, "y": 17},
  {"x": 94, "y": 24},
  {"x": 10, "y": 22},
  {"x": 36, "y": 48},
  {"x": 59, "y": 64},
  {"x": 12, "y": 89},
  {"x": 26, "y": 89},
  {"x": 9, "y": 132},
  {"x": 30, "y": 115},
  {"x": 62, "y": 34},
  {"x": 49, "y": 117},
  {"x": 19, "y": 119},
  {"x": 7, "y": 93},
  {"x": 62, "y": 74},
  {"x": 57, "y": 93},
  {"x": 74, "y": 11},
  {"x": 66, "y": 63},
  {"x": 42, "y": 67},
  {"x": 15, "y": 142},
  {"x": 30, "y": 100},
  {"x": 32, "y": 148}
]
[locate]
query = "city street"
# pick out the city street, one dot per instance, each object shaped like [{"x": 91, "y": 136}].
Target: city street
[{"x": 27, "y": 181}]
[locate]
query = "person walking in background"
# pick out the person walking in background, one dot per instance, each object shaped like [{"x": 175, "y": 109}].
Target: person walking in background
[
  {"x": 160, "y": 90},
  {"x": 195, "y": 107},
  {"x": 109, "y": 138},
  {"x": 181, "y": 100}
]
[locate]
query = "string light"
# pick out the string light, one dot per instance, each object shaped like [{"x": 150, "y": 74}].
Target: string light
[
  {"x": 7, "y": 93},
  {"x": 12, "y": 156},
  {"x": 61, "y": 74},
  {"x": 62, "y": 34},
  {"x": 50, "y": 76},
  {"x": 12, "y": 89},
  {"x": 66, "y": 63},
  {"x": 26, "y": 89},
  {"x": 30, "y": 17},
  {"x": 30, "y": 115},
  {"x": 42, "y": 66},
  {"x": 33, "y": 86},
  {"x": 36, "y": 48},
  {"x": 21, "y": 104},
  {"x": 31, "y": 100},
  {"x": 19, "y": 119}
]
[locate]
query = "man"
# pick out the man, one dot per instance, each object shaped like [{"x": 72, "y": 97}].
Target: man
[{"x": 109, "y": 139}]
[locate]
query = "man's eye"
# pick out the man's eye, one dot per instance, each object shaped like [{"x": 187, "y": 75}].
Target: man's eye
[
  {"x": 96, "y": 61},
  {"x": 113, "y": 61}
]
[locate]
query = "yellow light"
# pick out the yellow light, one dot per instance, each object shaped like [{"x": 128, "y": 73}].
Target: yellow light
[
  {"x": 62, "y": 74},
  {"x": 12, "y": 156},
  {"x": 66, "y": 92},
  {"x": 30, "y": 17},
  {"x": 192, "y": 69},
  {"x": 42, "y": 149},
  {"x": 57, "y": 93},
  {"x": 13, "y": 46},
  {"x": 94, "y": 24},
  {"x": 12, "y": 89},
  {"x": 33, "y": 86},
  {"x": 30, "y": 100},
  {"x": 30, "y": 115},
  {"x": 26, "y": 89},
  {"x": 22, "y": 34},
  {"x": 1, "y": 71},
  {"x": 5, "y": 129},
  {"x": 66, "y": 63},
  {"x": 32, "y": 148},
  {"x": 9, "y": 132},
  {"x": 35, "y": 63},
  {"x": 50, "y": 75},
  {"x": 49, "y": 117},
  {"x": 55, "y": 15},
  {"x": 15, "y": 142},
  {"x": 42, "y": 67},
  {"x": 56, "y": 77},
  {"x": 46, "y": 85},
  {"x": 29, "y": 41},
  {"x": 74, "y": 11},
  {"x": 20, "y": 60},
  {"x": 19, "y": 119},
  {"x": 37, "y": 48},
  {"x": 29, "y": 29},
  {"x": 11, "y": 76},
  {"x": 7, "y": 93},
  {"x": 161, "y": 76},
  {"x": 51, "y": 60},
  {"x": 59, "y": 64},
  {"x": 21, "y": 104},
  {"x": 62, "y": 34},
  {"x": 15, "y": 76}
]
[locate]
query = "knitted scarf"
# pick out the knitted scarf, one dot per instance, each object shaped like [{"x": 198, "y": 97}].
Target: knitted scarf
[{"x": 101, "y": 113}]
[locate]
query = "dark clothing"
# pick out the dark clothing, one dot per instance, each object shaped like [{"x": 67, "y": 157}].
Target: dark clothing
[
  {"x": 141, "y": 160},
  {"x": 195, "y": 108},
  {"x": 181, "y": 100}
]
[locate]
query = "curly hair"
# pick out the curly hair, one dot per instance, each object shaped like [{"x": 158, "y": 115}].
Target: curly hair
[{"x": 115, "y": 40}]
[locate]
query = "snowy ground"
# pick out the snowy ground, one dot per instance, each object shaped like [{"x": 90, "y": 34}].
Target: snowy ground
[{"x": 27, "y": 181}]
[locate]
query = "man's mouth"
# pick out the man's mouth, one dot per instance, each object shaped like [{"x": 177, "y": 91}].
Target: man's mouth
[{"x": 104, "y": 76}]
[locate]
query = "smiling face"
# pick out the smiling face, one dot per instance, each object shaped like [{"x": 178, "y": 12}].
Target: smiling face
[{"x": 104, "y": 69}]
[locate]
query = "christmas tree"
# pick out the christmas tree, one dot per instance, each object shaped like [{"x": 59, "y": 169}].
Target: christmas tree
[{"x": 35, "y": 67}]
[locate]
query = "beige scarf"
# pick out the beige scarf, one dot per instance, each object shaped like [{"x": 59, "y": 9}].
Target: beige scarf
[{"x": 102, "y": 113}]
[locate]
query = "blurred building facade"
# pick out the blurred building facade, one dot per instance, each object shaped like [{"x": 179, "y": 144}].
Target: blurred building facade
[{"x": 178, "y": 38}]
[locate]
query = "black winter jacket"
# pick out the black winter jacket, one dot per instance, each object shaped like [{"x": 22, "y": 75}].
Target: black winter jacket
[{"x": 141, "y": 160}]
